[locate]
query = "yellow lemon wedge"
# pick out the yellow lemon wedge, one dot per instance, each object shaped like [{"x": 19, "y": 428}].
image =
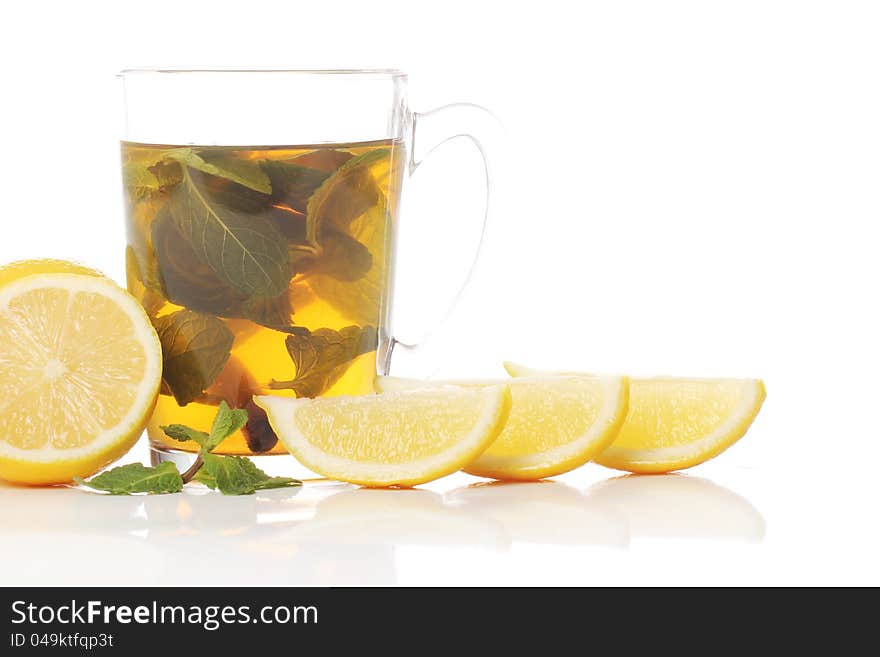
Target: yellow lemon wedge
[
  {"x": 677, "y": 423},
  {"x": 556, "y": 423},
  {"x": 80, "y": 367},
  {"x": 394, "y": 439}
]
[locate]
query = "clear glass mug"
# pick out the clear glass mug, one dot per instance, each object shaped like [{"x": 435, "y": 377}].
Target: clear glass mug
[{"x": 262, "y": 211}]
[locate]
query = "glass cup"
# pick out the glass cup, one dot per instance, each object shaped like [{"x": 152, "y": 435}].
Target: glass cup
[{"x": 261, "y": 212}]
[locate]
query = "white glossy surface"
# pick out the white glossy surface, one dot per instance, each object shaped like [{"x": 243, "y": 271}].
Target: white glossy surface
[
  {"x": 722, "y": 523},
  {"x": 548, "y": 532}
]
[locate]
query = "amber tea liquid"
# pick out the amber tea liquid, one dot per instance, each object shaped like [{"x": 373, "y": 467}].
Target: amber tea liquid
[{"x": 264, "y": 271}]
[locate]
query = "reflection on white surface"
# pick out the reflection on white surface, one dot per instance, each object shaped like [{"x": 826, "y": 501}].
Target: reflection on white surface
[
  {"x": 395, "y": 517},
  {"x": 542, "y": 512},
  {"x": 679, "y": 506},
  {"x": 329, "y": 535}
]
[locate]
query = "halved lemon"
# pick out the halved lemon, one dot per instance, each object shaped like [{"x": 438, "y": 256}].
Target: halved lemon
[
  {"x": 15, "y": 270},
  {"x": 394, "y": 439},
  {"x": 80, "y": 366},
  {"x": 556, "y": 424},
  {"x": 677, "y": 423}
]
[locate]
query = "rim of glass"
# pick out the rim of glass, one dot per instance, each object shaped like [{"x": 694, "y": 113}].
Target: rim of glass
[{"x": 354, "y": 72}]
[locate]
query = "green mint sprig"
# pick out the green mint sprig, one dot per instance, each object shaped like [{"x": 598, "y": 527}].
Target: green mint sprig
[
  {"x": 226, "y": 422},
  {"x": 137, "y": 478},
  {"x": 231, "y": 475},
  {"x": 237, "y": 475}
]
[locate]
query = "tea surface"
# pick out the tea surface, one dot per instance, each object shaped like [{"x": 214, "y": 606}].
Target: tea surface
[{"x": 264, "y": 271}]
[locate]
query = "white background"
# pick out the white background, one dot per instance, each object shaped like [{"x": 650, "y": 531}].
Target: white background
[{"x": 686, "y": 188}]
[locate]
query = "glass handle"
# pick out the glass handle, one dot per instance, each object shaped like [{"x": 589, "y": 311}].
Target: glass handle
[{"x": 431, "y": 130}]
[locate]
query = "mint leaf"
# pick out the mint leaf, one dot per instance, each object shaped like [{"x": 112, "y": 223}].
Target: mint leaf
[
  {"x": 272, "y": 312},
  {"x": 342, "y": 257},
  {"x": 344, "y": 196},
  {"x": 222, "y": 165},
  {"x": 293, "y": 184},
  {"x": 184, "y": 433},
  {"x": 352, "y": 202},
  {"x": 204, "y": 477},
  {"x": 231, "y": 475},
  {"x": 144, "y": 179},
  {"x": 226, "y": 423},
  {"x": 236, "y": 475},
  {"x": 186, "y": 281},
  {"x": 323, "y": 159},
  {"x": 322, "y": 356},
  {"x": 182, "y": 276},
  {"x": 291, "y": 223},
  {"x": 136, "y": 478},
  {"x": 139, "y": 181},
  {"x": 195, "y": 348},
  {"x": 243, "y": 249}
]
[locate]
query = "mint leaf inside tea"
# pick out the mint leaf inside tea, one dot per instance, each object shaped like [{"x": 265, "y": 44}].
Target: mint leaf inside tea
[{"x": 264, "y": 270}]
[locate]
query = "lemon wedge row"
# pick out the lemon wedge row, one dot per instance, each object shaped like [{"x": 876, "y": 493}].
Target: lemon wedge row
[
  {"x": 676, "y": 423},
  {"x": 533, "y": 426}
]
